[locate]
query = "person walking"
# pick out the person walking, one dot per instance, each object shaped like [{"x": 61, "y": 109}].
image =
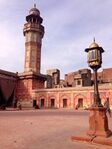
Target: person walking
[{"x": 107, "y": 106}]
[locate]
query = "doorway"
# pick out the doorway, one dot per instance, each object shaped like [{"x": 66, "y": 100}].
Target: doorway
[
  {"x": 52, "y": 103},
  {"x": 80, "y": 103},
  {"x": 34, "y": 103},
  {"x": 64, "y": 103},
  {"x": 42, "y": 103}
]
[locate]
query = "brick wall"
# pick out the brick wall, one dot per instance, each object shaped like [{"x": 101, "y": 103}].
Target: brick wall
[
  {"x": 26, "y": 84},
  {"x": 72, "y": 95}
]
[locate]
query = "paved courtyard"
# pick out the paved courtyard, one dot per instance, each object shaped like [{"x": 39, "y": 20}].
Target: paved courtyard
[{"x": 44, "y": 129}]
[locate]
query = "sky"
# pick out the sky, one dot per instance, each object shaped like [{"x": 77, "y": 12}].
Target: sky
[{"x": 70, "y": 26}]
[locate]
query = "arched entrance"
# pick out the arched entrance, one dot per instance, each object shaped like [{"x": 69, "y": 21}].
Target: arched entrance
[
  {"x": 65, "y": 101},
  {"x": 80, "y": 101}
]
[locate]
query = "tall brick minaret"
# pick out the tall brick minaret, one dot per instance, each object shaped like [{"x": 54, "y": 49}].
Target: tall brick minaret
[
  {"x": 33, "y": 32},
  {"x": 31, "y": 79}
]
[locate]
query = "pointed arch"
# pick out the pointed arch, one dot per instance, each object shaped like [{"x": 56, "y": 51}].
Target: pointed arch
[
  {"x": 52, "y": 101},
  {"x": 65, "y": 101},
  {"x": 42, "y": 101},
  {"x": 80, "y": 100}
]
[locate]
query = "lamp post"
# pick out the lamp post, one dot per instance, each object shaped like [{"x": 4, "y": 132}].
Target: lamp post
[
  {"x": 94, "y": 54},
  {"x": 98, "y": 122}
]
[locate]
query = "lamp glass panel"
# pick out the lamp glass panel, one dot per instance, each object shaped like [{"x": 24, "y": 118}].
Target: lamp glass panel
[{"x": 92, "y": 55}]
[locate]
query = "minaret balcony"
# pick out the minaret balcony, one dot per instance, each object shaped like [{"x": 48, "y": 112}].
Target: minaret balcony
[{"x": 33, "y": 27}]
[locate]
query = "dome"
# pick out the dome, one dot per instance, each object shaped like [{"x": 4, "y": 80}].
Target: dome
[
  {"x": 34, "y": 11},
  {"x": 94, "y": 44}
]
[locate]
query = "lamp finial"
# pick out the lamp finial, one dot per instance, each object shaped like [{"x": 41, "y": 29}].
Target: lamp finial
[
  {"x": 34, "y": 5},
  {"x": 94, "y": 39}
]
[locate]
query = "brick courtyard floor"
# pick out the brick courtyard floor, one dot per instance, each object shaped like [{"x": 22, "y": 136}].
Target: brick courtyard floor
[{"x": 44, "y": 129}]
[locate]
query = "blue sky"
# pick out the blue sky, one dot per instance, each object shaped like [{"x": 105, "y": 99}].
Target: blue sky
[{"x": 70, "y": 26}]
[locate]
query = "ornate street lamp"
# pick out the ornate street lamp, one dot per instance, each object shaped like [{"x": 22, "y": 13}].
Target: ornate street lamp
[
  {"x": 98, "y": 121},
  {"x": 94, "y": 59}
]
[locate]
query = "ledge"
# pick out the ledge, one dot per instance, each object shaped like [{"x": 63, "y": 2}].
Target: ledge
[{"x": 93, "y": 140}]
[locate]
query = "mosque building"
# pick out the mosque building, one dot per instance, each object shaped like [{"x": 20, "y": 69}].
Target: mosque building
[{"x": 32, "y": 88}]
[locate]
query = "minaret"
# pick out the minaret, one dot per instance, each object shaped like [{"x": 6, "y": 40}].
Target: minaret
[
  {"x": 31, "y": 79},
  {"x": 33, "y": 32}
]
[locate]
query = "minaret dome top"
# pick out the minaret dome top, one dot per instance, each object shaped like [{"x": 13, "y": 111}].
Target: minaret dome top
[{"x": 34, "y": 11}]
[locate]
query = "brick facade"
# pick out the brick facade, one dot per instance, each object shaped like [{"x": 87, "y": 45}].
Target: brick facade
[
  {"x": 72, "y": 96},
  {"x": 28, "y": 82}
]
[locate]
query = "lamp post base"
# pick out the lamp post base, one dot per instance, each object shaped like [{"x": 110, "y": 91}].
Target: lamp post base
[
  {"x": 98, "y": 132},
  {"x": 98, "y": 122}
]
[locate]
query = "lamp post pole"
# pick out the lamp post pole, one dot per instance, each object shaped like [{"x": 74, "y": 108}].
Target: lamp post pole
[{"x": 97, "y": 100}]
